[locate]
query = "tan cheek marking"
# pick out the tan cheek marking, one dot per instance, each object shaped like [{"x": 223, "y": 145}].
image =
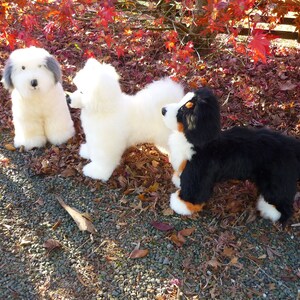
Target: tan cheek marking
[
  {"x": 180, "y": 127},
  {"x": 182, "y": 166}
]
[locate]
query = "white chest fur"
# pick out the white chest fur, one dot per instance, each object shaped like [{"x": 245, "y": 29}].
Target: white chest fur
[{"x": 180, "y": 152}]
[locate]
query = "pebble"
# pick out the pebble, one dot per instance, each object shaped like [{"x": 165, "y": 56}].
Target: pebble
[{"x": 166, "y": 261}]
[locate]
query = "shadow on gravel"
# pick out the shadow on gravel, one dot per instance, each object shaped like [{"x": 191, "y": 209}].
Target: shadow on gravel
[{"x": 230, "y": 255}]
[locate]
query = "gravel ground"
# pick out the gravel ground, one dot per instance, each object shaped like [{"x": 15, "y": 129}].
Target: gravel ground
[{"x": 248, "y": 258}]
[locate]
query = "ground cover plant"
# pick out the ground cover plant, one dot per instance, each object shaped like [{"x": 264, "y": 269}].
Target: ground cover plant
[{"x": 64, "y": 236}]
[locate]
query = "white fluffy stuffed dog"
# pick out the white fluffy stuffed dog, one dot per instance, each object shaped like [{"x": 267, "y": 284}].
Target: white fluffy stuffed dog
[
  {"x": 113, "y": 121},
  {"x": 40, "y": 111}
]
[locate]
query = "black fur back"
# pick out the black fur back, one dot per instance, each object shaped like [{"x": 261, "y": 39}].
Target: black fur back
[{"x": 269, "y": 159}]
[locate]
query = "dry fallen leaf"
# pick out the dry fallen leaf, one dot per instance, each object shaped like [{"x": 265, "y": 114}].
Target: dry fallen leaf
[
  {"x": 39, "y": 201},
  {"x": 68, "y": 172},
  {"x": 214, "y": 263},
  {"x": 55, "y": 149},
  {"x": 187, "y": 231},
  {"x": 155, "y": 163},
  {"x": 181, "y": 238},
  {"x": 287, "y": 86},
  {"x": 81, "y": 280},
  {"x": 82, "y": 222},
  {"x": 271, "y": 253},
  {"x": 153, "y": 188},
  {"x": 10, "y": 147},
  {"x": 5, "y": 161},
  {"x": 52, "y": 244},
  {"x": 111, "y": 258},
  {"x": 255, "y": 259},
  {"x": 228, "y": 251},
  {"x": 97, "y": 200},
  {"x": 234, "y": 261},
  {"x": 272, "y": 286},
  {"x": 162, "y": 226},
  {"x": 142, "y": 197},
  {"x": 87, "y": 216},
  {"x": 168, "y": 211},
  {"x": 138, "y": 253},
  {"x": 177, "y": 240}
]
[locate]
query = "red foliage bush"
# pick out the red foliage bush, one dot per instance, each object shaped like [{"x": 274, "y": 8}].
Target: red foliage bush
[{"x": 126, "y": 25}]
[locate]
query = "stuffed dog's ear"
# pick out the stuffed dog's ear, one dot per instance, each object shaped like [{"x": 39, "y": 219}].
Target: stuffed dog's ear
[
  {"x": 203, "y": 124},
  {"x": 53, "y": 66},
  {"x": 7, "y": 81}
]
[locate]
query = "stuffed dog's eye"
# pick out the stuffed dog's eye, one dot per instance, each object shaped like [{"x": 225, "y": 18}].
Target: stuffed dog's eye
[
  {"x": 81, "y": 92},
  {"x": 23, "y": 67},
  {"x": 189, "y": 105},
  {"x": 40, "y": 66}
]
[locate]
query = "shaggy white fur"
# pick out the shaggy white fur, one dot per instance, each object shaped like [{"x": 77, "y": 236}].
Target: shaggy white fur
[
  {"x": 180, "y": 150},
  {"x": 113, "y": 121},
  {"x": 40, "y": 111},
  {"x": 267, "y": 211}
]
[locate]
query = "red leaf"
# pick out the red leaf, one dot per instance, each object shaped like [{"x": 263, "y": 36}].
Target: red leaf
[
  {"x": 109, "y": 40},
  {"x": 260, "y": 45},
  {"x": 66, "y": 9},
  {"x": 162, "y": 226},
  {"x": 120, "y": 51},
  {"x": 107, "y": 15},
  {"x": 169, "y": 45},
  {"x": 88, "y": 54},
  {"x": 139, "y": 34},
  {"x": 29, "y": 22}
]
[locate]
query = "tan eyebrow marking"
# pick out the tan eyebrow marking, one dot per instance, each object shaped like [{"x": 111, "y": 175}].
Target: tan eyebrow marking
[{"x": 189, "y": 104}]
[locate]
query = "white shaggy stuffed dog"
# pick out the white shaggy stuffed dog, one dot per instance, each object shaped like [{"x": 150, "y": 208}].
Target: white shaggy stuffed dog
[
  {"x": 113, "y": 121},
  {"x": 40, "y": 111}
]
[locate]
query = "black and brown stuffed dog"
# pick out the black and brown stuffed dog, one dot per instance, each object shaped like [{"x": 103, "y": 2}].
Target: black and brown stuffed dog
[{"x": 203, "y": 155}]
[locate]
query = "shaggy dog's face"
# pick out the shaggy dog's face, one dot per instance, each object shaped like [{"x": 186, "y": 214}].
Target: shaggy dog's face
[
  {"x": 87, "y": 84},
  {"x": 97, "y": 87},
  {"x": 196, "y": 115},
  {"x": 76, "y": 99},
  {"x": 31, "y": 71}
]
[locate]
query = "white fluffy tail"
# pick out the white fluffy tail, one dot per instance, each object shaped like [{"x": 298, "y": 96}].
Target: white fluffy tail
[{"x": 163, "y": 91}]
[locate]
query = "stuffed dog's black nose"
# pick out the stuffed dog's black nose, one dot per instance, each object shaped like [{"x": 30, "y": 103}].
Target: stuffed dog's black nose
[
  {"x": 34, "y": 83},
  {"x": 68, "y": 99},
  {"x": 163, "y": 111}
]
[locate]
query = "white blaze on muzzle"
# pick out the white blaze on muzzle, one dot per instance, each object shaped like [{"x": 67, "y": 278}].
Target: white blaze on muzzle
[{"x": 170, "y": 111}]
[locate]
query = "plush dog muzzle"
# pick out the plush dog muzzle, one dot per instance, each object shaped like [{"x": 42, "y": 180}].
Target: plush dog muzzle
[
  {"x": 170, "y": 112},
  {"x": 34, "y": 83}
]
